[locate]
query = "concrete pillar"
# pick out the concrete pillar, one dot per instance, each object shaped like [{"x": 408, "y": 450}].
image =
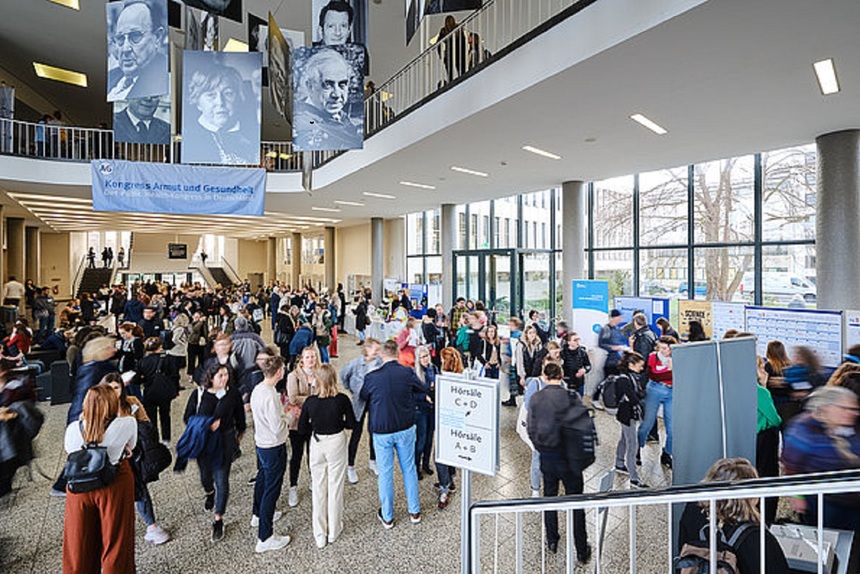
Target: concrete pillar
[
  {"x": 837, "y": 231},
  {"x": 3, "y": 257},
  {"x": 574, "y": 219},
  {"x": 15, "y": 248},
  {"x": 34, "y": 254},
  {"x": 449, "y": 240},
  {"x": 296, "y": 259},
  {"x": 271, "y": 259},
  {"x": 376, "y": 258},
  {"x": 329, "y": 258},
  {"x": 395, "y": 248}
]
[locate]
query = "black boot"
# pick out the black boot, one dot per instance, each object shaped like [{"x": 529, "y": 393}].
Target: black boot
[{"x": 666, "y": 460}]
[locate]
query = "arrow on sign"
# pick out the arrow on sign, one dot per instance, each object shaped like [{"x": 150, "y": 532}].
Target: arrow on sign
[{"x": 464, "y": 457}]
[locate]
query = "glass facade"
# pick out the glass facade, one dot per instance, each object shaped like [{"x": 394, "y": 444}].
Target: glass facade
[{"x": 739, "y": 229}]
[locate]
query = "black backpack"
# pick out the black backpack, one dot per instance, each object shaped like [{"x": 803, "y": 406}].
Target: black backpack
[
  {"x": 151, "y": 456},
  {"x": 579, "y": 435},
  {"x": 607, "y": 391},
  {"x": 695, "y": 557},
  {"x": 159, "y": 387},
  {"x": 89, "y": 469}
]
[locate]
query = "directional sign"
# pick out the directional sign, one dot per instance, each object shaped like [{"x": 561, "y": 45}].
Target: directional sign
[{"x": 467, "y": 423}]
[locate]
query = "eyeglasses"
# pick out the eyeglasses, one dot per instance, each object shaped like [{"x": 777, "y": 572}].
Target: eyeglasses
[{"x": 135, "y": 38}]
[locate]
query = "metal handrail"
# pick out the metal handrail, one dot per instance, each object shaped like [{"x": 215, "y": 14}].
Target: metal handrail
[
  {"x": 817, "y": 485},
  {"x": 79, "y": 276},
  {"x": 236, "y": 277}
]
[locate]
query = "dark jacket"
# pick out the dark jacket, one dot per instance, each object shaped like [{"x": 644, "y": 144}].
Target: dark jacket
[
  {"x": 392, "y": 392},
  {"x": 198, "y": 441},
  {"x": 545, "y": 410},
  {"x": 644, "y": 341},
  {"x": 133, "y": 311},
  {"x": 152, "y": 327},
  {"x": 571, "y": 361},
  {"x": 361, "y": 321},
  {"x": 627, "y": 397},
  {"x": 304, "y": 337},
  {"x": 157, "y": 388},
  {"x": 88, "y": 375}
]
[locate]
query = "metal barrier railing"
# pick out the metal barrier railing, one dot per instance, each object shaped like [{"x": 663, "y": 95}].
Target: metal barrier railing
[
  {"x": 483, "y": 35},
  {"x": 599, "y": 504}
]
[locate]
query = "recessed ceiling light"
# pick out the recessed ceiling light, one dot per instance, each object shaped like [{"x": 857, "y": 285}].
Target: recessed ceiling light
[
  {"x": 73, "y": 4},
  {"x": 418, "y": 185},
  {"x": 60, "y": 75},
  {"x": 331, "y": 209},
  {"x": 469, "y": 171},
  {"x": 344, "y": 202},
  {"x": 651, "y": 125},
  {"x": 541, "y": 152},
  {"x": 825, "y": 71},
  {"x": 378, "y": 195},
  {"x": 234, "y": 45}
]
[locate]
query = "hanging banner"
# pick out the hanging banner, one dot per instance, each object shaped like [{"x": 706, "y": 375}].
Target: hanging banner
[
  {"x": 142, "y": 120},
  {"x": 440, "y": 6},
  {"x": 590, "y": 309},
  {"x": 280, "y": 61},
  {"x": 173, "y": 188},
  {"x": 231, "y": 9},
  {"x": 137, "y": 49},
  {"x": 701, "y": 311},
  {"x": 221, "y": 108},
  {"x": 328, "y": 98}
]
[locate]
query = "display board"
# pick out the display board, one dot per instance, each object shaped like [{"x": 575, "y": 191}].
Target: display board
[
  {"x": 725, "y": 316},
  {"x": 467, "y": 423},
  {"x": 177, "y": 251},
  {"x": 852, "y": 329},
  {"x": 819, "y": 330},
  {"x": 590, "y": 309},
  {"x": 700, "y": 311},
  {"x": 652, "y": 307}
]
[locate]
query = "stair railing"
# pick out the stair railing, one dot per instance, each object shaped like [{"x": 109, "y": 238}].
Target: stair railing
[{"x": 79, "y": 274}]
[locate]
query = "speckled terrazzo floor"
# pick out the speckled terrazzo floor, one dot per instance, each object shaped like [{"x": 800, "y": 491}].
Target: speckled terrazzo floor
[{"x": 31, "y": 521}]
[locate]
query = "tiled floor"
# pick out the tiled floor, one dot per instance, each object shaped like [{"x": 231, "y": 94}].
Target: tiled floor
[{"x": 31, "y": 522}]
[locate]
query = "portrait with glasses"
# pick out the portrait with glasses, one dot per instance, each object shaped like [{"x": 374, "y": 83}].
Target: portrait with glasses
[{"x": 137, "y": 49}]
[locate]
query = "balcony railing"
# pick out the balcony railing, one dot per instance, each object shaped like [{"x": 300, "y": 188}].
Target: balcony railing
[{"x": 485, "y": 36}]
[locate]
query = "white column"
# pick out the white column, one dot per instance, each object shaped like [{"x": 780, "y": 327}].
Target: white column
[
  {"x": 574, "y": 220},
  {"x": 376, "y": 258},
  {"x": 449, "y": 242}
]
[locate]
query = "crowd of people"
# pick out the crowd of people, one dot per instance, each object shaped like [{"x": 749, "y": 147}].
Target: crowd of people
[{"x": 134, "y": 349}]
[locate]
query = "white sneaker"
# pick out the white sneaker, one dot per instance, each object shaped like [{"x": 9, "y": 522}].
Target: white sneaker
[
  {"x": 535, "y": 493},
  {"x": 372, "y": 466},
  {"x": 351, "y": 475},
  {"x": 166, "y": 443},
  {"x": 293, "y": 498},
  {"x": 255, "y": 520},
  {"x": 273, "y": 543},
  {"x": 156, "y": 535},
  {"x": 320, "y": 540}
]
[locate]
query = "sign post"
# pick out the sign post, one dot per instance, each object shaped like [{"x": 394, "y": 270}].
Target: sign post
[{"x": 467, "y": 437}]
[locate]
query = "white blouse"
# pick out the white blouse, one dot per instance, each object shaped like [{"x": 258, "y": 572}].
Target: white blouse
[{"x": 121, "y": 432}]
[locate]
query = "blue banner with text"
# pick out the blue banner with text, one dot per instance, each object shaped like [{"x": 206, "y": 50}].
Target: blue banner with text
[{"x": 172, "y": 188}]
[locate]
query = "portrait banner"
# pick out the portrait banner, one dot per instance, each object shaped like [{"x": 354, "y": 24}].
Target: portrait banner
[
  {"x": 142, "y": 120},
  {"x": 231, "y": 9},
  {"x": 221, "y": 107},
  {"x": 137, "y": 48},
  {"x": 440, "y": 6},
  {"x": 173, "y": 188},
  {"x": 328, "y": 98},
  {"x": 341, "y": 22},
  {"x": 280, "y": 71}
]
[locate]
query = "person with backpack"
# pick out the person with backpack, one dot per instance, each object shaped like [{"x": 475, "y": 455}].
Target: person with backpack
[
  {"x": 738, "y": 528},
  {"x": 657, "y": 393},
  {"x": 533, "y": 386},
  {"x": 612, "y": 340},
  {"x": 629, "y": 411},
  {"x": 553, "y": 413},
  {"x": 159, "y": 378},
  {"x": 643, "y": 341}
]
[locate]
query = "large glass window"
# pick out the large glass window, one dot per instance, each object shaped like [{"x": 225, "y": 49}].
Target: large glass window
[
  {"x": 434, "y": 232},
  {"x": 415, "y": 234},
  {"x": 788, "y": 277},
  {"x": 613, "y": 212},
  {"x": 616, "y": 267},
  {"x": 663, "y": 207},
  {"x": 724, "y": 274},
  {"x": 723, "y": 195},
  {"x": 662, "y": 272},
  {"x": 789, "y": 194}
]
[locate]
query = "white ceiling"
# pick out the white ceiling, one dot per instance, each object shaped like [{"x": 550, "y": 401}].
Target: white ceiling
[{"x": 726, "y": 78}]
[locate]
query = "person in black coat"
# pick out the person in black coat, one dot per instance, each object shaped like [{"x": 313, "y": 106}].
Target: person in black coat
[
  {"x": 159, "y": 378},
  {"x": 629, "y": 412},
  {"x": 575, "y": 362},
  {"x": 361, "y": 319}
]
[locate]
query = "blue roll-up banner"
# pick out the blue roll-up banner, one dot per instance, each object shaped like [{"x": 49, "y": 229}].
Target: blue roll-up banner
[{"x": 173, "y": 188}]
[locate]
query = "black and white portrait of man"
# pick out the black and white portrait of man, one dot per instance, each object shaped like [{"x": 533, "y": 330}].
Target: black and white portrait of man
[
  {"x": 328, "y": 110},
  {"x": 143, "y": 120},
  {"x": 221, "y": 108},
  {"x": 440, "y": 6},
  {"x": 231, "y": 9},
  {"x": 137, "y": 49}
]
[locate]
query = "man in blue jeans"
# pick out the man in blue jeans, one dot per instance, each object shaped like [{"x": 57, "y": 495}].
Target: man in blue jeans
[
  {"x": 391, "y": 392},
  {"x": 270, "y": 437}
]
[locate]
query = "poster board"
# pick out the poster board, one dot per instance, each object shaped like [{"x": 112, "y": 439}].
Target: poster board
[
  {"x": 725, "y": 316},
  {"x": 653, "y": 308},
  {"x": 467, "y": 423},
  {"x": 852, "y": 329},
  {"x": 819, "y": 330},
  {"x": 590, "y": 309},
  {"x": 701, "y": 311}
]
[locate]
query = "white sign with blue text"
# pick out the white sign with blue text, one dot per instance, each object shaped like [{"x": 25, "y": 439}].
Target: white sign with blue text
[{"x": 467, "y": 423}]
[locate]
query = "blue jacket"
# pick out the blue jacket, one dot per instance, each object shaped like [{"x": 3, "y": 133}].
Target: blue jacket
[
  {"x": 198, "y": 441},
  {"x": 304, "y": 337},
  {"x": 88, "y": 375},
  {"x": 133, "y": 311},
  {"x": 612, "y": 337},
  {"x": 391, "y": 392}
]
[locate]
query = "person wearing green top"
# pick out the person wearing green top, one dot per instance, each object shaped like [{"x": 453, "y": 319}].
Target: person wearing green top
[{"x": 767, "y": 442}]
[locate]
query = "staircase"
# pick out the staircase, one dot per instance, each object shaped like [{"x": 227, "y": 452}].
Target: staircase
[
  {"x": 93, "y": 279},
  {"x": 220, "y": 276}
]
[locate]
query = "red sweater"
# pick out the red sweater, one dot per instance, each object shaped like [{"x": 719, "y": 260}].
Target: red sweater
[{"x": 657, "y": 371}]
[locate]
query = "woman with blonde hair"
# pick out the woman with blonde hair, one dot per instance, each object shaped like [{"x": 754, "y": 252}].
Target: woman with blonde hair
[
  {"x": 324, "y": 418},
  {"x": 527, "y": 359},
  {"x": 301, "y": 384},
  {"x": 737, "y": 519},
  {"x": 98, "y": 533}
]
